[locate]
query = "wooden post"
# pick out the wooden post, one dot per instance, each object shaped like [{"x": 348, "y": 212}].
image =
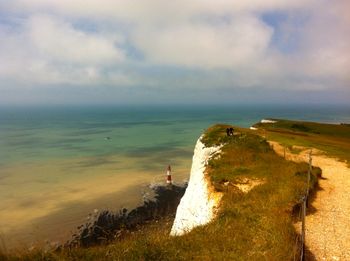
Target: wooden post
[
  {"x": 302, "y": 258},
  {"x": 305, "y": 201},
  {"x": 309, "y": 177}
]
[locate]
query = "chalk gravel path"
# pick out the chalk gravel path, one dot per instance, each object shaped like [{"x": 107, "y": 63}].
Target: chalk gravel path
[{"x": 328, "y": 228}]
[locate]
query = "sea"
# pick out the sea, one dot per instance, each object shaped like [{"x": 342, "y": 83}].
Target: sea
[{"x": 60, "y": 165}]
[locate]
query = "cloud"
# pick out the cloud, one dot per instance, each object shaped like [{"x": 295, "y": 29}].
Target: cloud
[
  {"x": 59, "y": 41},
  {"x": 151, "y": 10},
  {"x": 186, "y": 45},
  {"x": 227, "y": 44},
  {"x": 48, "y": 50},
  {"x": 326, "y": 42}
]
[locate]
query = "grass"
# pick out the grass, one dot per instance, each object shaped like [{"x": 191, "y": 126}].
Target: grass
[
  {"x": 254, "y": 226},
  {"x": 333, "y": 139}
]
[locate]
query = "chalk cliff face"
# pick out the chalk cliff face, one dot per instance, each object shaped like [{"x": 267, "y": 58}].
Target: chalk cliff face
[{"x": 200, "y": 202}]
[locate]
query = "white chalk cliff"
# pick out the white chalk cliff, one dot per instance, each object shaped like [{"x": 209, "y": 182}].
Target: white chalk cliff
[{"x": 200, "y": 202}]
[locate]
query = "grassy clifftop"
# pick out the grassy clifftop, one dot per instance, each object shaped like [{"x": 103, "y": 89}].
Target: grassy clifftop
[
  {"x": 255, "y": 221},
  {"x": 334, "y": 139}
]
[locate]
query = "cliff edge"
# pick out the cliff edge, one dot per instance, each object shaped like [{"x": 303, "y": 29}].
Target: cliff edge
[{"x": 200, "y": 202}]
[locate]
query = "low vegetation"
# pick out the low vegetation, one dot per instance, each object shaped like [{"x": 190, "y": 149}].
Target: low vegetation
[
  {"x": 333, "y": 139},
  {"x": 257, "y": 225}
]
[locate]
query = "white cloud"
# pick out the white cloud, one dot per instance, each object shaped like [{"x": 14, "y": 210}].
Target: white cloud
[
  {"x": 241, "y": 41},
  {"x": 58, "y": 40},
  {"x": 326, "y": 42},
  {"x": 48, "y": 50},
  {"x": 225, "y": 43},
  {"x": 152, "y": 10}
]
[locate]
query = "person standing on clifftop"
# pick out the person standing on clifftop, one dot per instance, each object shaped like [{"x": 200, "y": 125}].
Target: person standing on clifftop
[{"x": 229, "y": 131}]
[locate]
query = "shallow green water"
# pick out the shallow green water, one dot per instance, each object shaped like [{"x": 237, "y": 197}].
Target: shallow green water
[{"x": 36, "y": 134}]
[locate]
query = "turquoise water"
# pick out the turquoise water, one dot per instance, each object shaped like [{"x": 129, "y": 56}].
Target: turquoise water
[
  {"x": 59, "y": 163},
  {"x": 32, "y": 134}
]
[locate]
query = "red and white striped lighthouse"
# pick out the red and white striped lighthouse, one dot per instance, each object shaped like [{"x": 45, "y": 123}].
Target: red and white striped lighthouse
[{"x": 168, "y": 174}]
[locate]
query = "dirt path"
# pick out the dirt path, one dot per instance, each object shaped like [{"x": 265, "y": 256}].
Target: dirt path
[{"x": 328, "y": 228}]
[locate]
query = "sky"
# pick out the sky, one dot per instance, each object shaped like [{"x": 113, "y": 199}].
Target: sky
[{"x": 178, "y": 52}]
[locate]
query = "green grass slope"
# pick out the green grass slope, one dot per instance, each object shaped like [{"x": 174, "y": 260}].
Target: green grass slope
[{"x": 333, "y": 139}]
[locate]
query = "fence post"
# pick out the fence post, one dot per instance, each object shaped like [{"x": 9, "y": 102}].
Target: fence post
[
  {"x": 302, "y": 258},
  {"x": 309, "y": 177},
  {"x": 305, "y": 202}
]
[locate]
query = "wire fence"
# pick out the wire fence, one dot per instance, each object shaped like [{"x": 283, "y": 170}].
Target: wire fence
[{"x": 299, "y": 247}]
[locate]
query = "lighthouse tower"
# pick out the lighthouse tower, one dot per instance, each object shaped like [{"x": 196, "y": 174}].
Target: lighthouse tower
[{"x": 168, "y": 176}]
